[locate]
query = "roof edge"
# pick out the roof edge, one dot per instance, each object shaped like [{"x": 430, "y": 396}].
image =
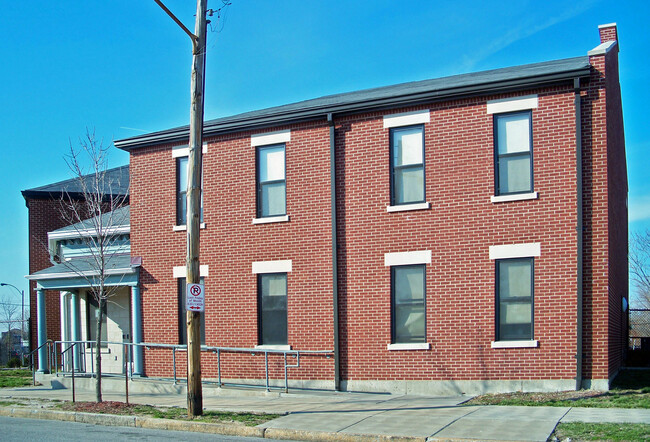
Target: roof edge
[{"x": 282, "y": 116}]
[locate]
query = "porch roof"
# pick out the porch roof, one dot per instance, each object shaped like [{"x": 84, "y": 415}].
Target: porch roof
[{"x": 82, "y": 272}]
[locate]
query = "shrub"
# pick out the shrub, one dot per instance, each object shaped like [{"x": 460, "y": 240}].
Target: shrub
[{"x": 14, "y": 363}]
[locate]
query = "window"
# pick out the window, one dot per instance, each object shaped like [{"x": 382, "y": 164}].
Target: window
[
  {"x": 92, "y": 312},
  {"x": 271, "y": 182},
  {"x": 408, "y": 306},
  {"x": 407, "y": 165},
  {"x": 514, "y": 293},
  {"x": 182, "y": 317},
  {"x": 272, "y": 308},
  {"x": 514, "y": 164},
  {"x": 181, "y": 192}
]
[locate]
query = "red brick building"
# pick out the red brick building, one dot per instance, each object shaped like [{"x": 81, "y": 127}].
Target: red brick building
[{"x": 462, "y": 234}]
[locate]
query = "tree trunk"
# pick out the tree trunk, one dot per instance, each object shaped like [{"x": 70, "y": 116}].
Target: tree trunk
[{"x": 98, "y": 355}]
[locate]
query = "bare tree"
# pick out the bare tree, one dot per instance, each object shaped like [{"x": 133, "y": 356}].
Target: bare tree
[
  {"x": 640, "y": 268},
  {"x": 9, "y": 315},
  {"x": 92, "y": 209}
]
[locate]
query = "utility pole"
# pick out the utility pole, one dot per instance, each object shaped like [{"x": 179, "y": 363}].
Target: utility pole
[{"x": 194, "y": 388}]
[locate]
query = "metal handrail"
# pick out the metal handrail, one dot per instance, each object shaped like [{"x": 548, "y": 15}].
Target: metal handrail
[
  {"x": 31, "y": 359},
  {"x": 296, "y": 354}
]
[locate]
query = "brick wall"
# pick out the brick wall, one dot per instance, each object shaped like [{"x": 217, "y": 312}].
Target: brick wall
[
  {"x": 44, "y": 215},
  {"x": 459, "y": 228},
  {"x": 229, "y": 245}
]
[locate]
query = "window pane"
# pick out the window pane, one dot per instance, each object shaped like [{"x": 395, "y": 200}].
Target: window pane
[
  {"x": 273, "y": 309},
  {"x": 514, "y": 174},
  {"x": 515, "y": 279},
  {"x": 409, "y": 284},
  {"x": 408, "y": 303},
  {"x": 407, "y": 147},
  {"x": 515, "y": 299},
  {"x": 273, "y": 199},
  {"x": 515, "y": 313},
  {"x": 409, "y": 323},
  {"x": 271, "y": 163},
  {"x": 515, "y": 332},
  {"x": 409, "y": 185},
  {"x": 274, "y": 285},
  {"x": 513, "y": 133},
  {"x": 182, "y": 174}
]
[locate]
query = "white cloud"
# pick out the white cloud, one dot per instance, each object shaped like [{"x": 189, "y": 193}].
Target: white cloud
[{"x": 526, "y": 27}]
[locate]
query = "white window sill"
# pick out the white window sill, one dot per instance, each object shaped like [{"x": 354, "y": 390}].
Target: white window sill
[
  {"x": 422, "y": 346},
  {"x": 271, "y": 219},
  {"x": 407, "y": 207},
  {"x": 515, "y": 197},
  {"x": 184, "y": 227},
  {"x": 273, "y": 347},
  {"x": 515, "y": 344}
]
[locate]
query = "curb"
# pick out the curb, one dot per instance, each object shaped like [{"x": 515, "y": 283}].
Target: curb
[{"x": 196, "y": 427}]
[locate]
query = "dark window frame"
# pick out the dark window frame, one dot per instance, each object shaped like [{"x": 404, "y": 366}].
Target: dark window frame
[
  {"x": 181, "y": 194},
  {"x": 182, "y": 321},
  {"x": 393, "y": 310},
  {"x": 260, "y": 330},
  {"x": 497, "y": 298},
  {"x": 497, "y": 156},
  {"x": 260, "y": 185},
  {"x": 393, "y": 167}
]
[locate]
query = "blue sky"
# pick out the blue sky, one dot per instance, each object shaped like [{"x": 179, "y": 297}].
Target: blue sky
[{"x": 122, "y": 67}]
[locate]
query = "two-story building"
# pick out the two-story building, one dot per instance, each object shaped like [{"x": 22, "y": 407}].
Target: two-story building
[{"x": 461, "y": 234}]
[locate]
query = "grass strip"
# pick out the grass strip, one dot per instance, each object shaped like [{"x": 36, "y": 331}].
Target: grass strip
[
  {"x": 120, "y": 408},
  {"x": 581, "y": 431}
]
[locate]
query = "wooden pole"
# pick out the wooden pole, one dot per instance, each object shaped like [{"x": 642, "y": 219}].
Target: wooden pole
[{"x": 194, "y": 389}]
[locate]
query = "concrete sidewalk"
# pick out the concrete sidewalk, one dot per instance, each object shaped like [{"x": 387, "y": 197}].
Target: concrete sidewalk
[{"x": 367, "y": 416}]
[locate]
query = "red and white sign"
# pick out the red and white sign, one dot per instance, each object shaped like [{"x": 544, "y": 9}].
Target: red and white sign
[{"x": 195, "y": 297}]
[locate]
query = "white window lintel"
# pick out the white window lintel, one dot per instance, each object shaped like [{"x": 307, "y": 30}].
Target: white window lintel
[
  {"x": 184, "y": 151},
  {"x": 407, "y": 258},
  {"x": 512, "y": 104},
  {"x": 281, "y": 136},
  {"x": 407, "y": 118},
  {"x": 282, "y": 266},
  {"x": 181, "y": 271},
  {"x": 515, "y": 251}
]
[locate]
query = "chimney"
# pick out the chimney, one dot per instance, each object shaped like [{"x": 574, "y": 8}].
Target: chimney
[{"x": 608, "y": 33}]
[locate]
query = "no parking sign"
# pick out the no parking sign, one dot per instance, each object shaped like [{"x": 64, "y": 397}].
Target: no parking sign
[{"x": 195, "y": 297}]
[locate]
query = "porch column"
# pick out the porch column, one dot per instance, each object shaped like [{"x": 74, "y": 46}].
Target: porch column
[
  {"x": 43, "y": 366},
  {"x": 76, "y": 328},
  {"x": 136, "y": 324}
]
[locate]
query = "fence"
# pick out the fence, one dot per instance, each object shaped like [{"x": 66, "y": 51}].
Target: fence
[{"x": 639, "y": 329}]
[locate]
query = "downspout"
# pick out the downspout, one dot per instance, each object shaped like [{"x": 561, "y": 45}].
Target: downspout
[
  {"x": 335, "y": 274},
  {"x": 580, "y": 231}
]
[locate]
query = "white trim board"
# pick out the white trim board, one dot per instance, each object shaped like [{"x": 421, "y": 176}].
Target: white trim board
[
  {"x": 407, "y": 258},
  {"x": 184, "y": 151},
  {"x": 512, "y": 104},
  {"x": 515, "y": 251},
  {"x": 283, "y": 266},
  {"x": 281, "y": 136},
  {"x": 407, "y": 118},
  {"x": 181, "y": 271}
]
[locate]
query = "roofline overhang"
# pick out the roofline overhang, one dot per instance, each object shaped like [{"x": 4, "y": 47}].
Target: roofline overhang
[
  {"x": 87, "y": 233},
  {"x": 88, "y": 274},
  {"x": 283, "y": 117}
]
